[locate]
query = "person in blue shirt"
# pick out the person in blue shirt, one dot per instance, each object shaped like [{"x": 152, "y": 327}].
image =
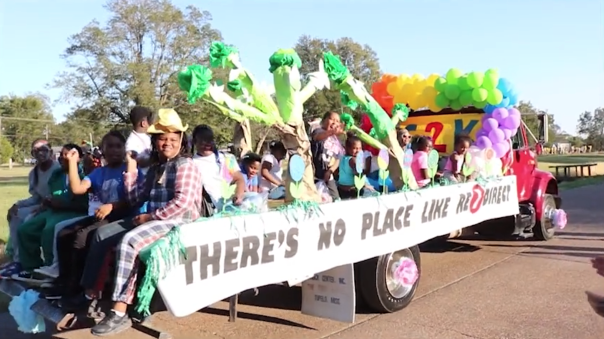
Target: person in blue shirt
[
  {"x": 347, "y": 169},
  {"x": 105, "y": 186},
  {"x": 250, "y": 166}
]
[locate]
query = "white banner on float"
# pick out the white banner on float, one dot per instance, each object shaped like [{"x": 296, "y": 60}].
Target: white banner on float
[{"x": 230, "y": 255}]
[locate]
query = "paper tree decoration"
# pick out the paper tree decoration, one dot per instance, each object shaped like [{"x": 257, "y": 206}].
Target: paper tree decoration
[
  {"x": 296, "y": 172},
  {"x": 468, "y": 167},
  {"x": 489, "y": 154},
  {"x": 227, "y": 190},
  {"x": 382, "y": 162},
  {"x": 432, "y": 164},
  {"x": 359, "y": 180},
  {"x": 406, "y": 172}
]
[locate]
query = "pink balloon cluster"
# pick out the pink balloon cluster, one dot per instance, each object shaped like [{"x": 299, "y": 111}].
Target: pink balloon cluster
[{"x": 497, "y": 129}]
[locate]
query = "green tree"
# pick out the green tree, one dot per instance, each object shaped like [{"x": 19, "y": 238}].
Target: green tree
[
  {"x": 361, "y": 60},
  {"x": 24, "y": 119},
  {"x": 134, "y": 58},
  {"x": 591, "y": 126},
  {"x": 530, "y": 118},
  {"x": 6, "y": 150}
]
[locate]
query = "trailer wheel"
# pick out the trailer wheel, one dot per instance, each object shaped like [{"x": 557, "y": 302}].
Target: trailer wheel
[
  {"x": 388, "y": 283},
  {"x": 544, "y": 228}
]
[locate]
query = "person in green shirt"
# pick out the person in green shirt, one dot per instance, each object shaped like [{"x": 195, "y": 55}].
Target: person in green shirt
[{"x": 39, "y": 231}]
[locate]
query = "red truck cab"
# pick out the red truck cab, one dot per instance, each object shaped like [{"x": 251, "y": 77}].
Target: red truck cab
[{"x": 537, "y": 189}]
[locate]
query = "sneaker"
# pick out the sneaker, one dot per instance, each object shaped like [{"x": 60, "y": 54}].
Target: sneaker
[
  {"x": 49, "y": 271},
  {"x": 9, "y": 270},
  {"x": 30, "y": 278},
  {"x": 51, "y": 293},
  {"x": 111, "y": 324}
]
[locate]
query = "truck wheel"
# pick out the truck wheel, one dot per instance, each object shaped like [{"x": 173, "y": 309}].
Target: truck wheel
[
  {"x": 388, "y": 283},
  {"x": 544, "y": 228}
]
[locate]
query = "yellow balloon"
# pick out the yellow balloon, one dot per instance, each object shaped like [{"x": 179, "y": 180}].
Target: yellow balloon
[
  {"x": 402, "y": 79},
  {"x": 407, "y": 90},
  {"x": 417, "y": 77},
  {"x": 399, "y": 99},
  {"x": 434, "y": 108},
  {"x": 432, "y": 78},
  {"x": 392, "y": 88}
]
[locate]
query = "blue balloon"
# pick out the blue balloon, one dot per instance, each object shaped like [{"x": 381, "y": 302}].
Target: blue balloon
[
  {"x": 488, "y": 109},
  {"x": 505, "y": 86},
  {"x": 505, "y": 102},
  {"x": 513, "y": 98},
  {"x": 296, "y": 167}
]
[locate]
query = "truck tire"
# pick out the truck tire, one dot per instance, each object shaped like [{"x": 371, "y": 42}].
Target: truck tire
[
  {"x": 379, "y": 286},
  {"x": 544, "y": 228}
]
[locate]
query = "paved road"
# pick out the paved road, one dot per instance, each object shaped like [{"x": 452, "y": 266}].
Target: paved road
[{"x": 475, "y": 290}]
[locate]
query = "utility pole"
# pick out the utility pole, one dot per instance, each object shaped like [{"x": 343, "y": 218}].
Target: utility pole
[{"x": 46, "y": 132}]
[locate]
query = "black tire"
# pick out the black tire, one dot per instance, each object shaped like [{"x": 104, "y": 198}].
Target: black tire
[
  {"x": 372, "y": 283},
  {"x": 544, "y": 229}
]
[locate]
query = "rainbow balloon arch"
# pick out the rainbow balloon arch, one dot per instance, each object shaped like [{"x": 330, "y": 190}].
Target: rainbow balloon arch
[{"x": 456, "y": 90}]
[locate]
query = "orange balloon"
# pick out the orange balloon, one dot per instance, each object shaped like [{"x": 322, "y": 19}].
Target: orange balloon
[{"x": 387, "y": 77}]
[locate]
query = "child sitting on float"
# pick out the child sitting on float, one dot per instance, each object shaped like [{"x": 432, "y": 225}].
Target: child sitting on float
[
  {"x": 214, "y": 166},
  {"x": 270, "y": 179},
  {"x": 327, "y": 149},
  {"x": 250, "y": 166},
  {"x": 347, "y": 168},
  {"x": 455, "y": 161},
  {"x": 419, "y": 166}
]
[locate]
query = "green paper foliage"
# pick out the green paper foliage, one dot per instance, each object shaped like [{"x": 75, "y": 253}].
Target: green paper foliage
[
  {"x": 227, "y": 190},
  {"x": 219, "y": 54},
  {"x": 400, "y": 110},
  {"x": 432, "y": 163},
  {"x": 284, "y": 57},
  {"x": 359, "y": 182},
  {"x": 383, "y": 174},
  {"x": 406, "y": 175},
  {"x": 336, "y": 71},
  {"x": 235, "y": 86},
  {"x": 346, "y": 101},
  {"x": 348, "y": 120},
  {"x": 467, "y": 169},
  {"x": 195, "y": 80},
  {"x": 295, "y": 190}
]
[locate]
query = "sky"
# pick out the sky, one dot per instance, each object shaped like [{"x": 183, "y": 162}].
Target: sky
[{"x": 552, "y": 51}]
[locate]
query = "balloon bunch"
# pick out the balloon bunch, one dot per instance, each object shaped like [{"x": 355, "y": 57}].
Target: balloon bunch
[
  {"x": 497, "y": 129},
  {"x": 415, "y": 91},
  {"x": 478, "y": 89},
  {"x": 510, "y": 97}
]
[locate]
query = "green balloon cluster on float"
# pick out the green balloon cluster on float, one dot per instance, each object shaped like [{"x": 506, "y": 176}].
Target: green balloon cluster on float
[{"x": 478, "y": 89}]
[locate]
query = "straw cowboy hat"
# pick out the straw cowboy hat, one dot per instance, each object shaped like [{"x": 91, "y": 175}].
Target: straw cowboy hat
[{"x": 168, "y": 121}]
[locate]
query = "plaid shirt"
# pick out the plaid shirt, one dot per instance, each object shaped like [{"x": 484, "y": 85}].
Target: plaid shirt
[{"x": 173, "y": 190}]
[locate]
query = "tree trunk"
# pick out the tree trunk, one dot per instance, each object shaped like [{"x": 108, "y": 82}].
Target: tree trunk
[
  {"x": 296, "y": 141},
  {"x": 242, "y": 138}
]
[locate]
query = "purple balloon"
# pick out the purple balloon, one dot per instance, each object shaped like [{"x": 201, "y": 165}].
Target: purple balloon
[
  {"x": 483, "y": 142},
  {"x": 507, "y": 133},
  {"x": 512, "y": 121},
  {"x": 490, "y": 124},
  {"x": 481, "y": 133},
  {"x": 500, "y": 114},
  {"x": 501, "y": 148},
  {"x": 514, "y": 111},
  {"x": 496, "y": 135}
]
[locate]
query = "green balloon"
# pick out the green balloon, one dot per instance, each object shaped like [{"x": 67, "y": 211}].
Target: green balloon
[
  {"x": 465, "y": 98},
  {"x": 491, "y": 79},
  {"x": 456, "y": 105},
  {"x": 453, "y": 76},
  {"x": 475, "y": 79},
  {"x": 494, "y": 97},
  {"x": 440, "y": 84},
  {"x": 452, "y": 91},
  {"x": 441, "y": 100},
  {"x": 480, "y": 105},
  {"x": 463, "y": 83},
  {"x": 479, "y": 94}
]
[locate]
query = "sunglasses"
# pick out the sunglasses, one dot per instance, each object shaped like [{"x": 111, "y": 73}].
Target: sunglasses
[{"x": 406, "y": 136}]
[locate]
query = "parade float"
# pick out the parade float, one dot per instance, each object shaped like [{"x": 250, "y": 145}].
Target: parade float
[{"x": 365, "y": 247}]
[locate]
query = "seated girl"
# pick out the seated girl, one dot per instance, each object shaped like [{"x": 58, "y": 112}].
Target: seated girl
[
  {"x": 52, "y": 271},
  {"x": 456, "y": 160},
  {"x": 347, "y": 169},
  {"x": 213, "y": 165},
  {"x": 39, "y": 231},
  {"x": 105, "y": 186},
  {"x": 419, "y": 165},
  {"x": 250, "y": 166},
  {"x": 327, "y": 149},
  {"x": 271, "y": 167},
  {"x": 41, "y": 151},
  {"x": 173, "y": 190}
]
